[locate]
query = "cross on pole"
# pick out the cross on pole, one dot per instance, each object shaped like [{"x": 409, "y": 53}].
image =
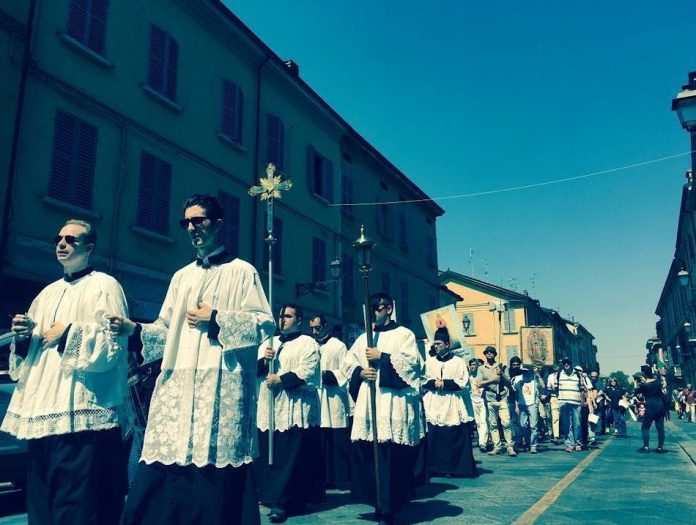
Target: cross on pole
[{"x": 269, "y": 189}]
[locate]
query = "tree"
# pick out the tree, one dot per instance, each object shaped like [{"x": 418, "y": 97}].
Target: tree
[{"x": 623, "y": 380}]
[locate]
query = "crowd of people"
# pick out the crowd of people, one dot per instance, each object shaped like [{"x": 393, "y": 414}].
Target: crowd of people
[{"x": 248, "y": 409}]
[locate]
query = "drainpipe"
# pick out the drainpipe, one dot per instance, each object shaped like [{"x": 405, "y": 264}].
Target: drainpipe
[
  {"x": 255, "y": 165},
  {"x": 12, "y": 168}
]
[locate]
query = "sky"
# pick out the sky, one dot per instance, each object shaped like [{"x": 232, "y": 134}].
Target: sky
[{"x": 467, "y": 97}]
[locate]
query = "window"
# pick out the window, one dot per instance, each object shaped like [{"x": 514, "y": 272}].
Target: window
[
  {"x": 403, "y": 237},
  {"x": 468, "y": 324},
  {"x": 348, "y": 277},
  {"x": 318, "y": 260},
  {"x": 230, "y": 227},
  {"x": 509, "y": 320},
  {"x": 277, "y": 248},
  {"x": 162, "y": 67},
  {"x": 154, "y": 193},
  {"x": 74, "y": 157},
  {"x": 319, "y": 175},
  {"x": 383, "y": 218},
  {"x": 275, "y": 136},
  {"x": 511, "y": 351},
  {"x": 386, "y": 283},
  {"x": 87, "y": 23},
  {"x": 403, "y": 314},
  {"x": 347, "y": 192},
  {"x": 232, "y": 104},
  {"x": 431, "y": 252}
]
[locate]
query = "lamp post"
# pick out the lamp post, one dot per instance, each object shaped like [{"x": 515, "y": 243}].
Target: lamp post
[
  {"x": 684, "y": 104},
  {"x": 500, "y": 308},
  {"x": 306, "y": 288},
  {"x": 466, "y": 323},
  {"x": 363, "y": 247}
]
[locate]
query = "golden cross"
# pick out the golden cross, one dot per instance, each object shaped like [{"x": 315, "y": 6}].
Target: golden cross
[{"x": 271, "y": 186}]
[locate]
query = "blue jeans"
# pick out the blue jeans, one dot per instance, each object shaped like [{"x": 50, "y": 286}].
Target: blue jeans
[
  {"x": 619, "y": 421},
  {"x": 570, "y": 424},
  {"x": 529, "y": 421}
]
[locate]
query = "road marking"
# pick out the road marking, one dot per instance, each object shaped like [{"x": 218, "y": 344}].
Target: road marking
[{"x": 548, "y": 499}]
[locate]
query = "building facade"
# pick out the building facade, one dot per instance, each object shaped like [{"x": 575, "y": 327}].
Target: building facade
[
  {"x": 495, "y": 316},
  {"x": 115, "y": 112}
]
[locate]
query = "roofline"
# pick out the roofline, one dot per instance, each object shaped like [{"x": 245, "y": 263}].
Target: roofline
[
  {"x": 483, "y": 284},
  {"x": 438, "y": 210}
]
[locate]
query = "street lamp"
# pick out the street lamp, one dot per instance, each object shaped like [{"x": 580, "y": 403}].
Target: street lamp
[
  {"x": 683, "y": 277},
  {"x": 306, "y": 288},
  {"x": 685, "y": 104},
  {"x": 363, "y": 247},
  {"x": 466, "y": 322}
]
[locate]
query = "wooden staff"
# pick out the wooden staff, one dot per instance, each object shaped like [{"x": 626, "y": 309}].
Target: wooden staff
[{"x": 269, "y": 190}]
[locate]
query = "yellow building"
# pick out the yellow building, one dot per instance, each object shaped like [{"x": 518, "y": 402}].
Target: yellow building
[
  {"x": 495, "y": 316},
  {"x": 122, "y": 113}
]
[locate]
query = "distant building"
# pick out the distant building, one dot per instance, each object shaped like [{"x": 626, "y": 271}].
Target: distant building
[
  {"x": 675, "y": 308},
  {"x": 122, "y": 109},
  {"x": 496, "y": 316}
]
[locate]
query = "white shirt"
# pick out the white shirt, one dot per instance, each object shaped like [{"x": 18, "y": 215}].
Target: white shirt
[
  {"x": 447, "y": 407},
  {"x": 335, "y": 408},
  {"x": 400, "y": 418},
  {"x": 297, "y": 407},
  {"x": 203, "y": 408},
  {"x": 85, "y": 388}
]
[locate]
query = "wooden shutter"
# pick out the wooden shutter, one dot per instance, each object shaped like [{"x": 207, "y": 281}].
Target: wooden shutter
[
  {"x": 328, "y": 185},
  {"x": 96, "y": 39},
  {"x": 156, "y": 66},
  {"x": 311, "y": 155},
  {"x": 73, "y": 161},
  {"x": 230, "y": 216},
  {"x": 403, "y": 239},
  {"x": 172, "y": 60},
  {"x": 232, "y": 104},
  {"x": 348, "y": 276},
  {"x": 76, "y": 25},
  {"x": 154, "y": 193},
  {"x": 318, "y": 260}
]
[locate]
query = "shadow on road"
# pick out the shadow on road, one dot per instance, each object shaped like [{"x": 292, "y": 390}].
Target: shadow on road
[{"x": 426, "y": 511}]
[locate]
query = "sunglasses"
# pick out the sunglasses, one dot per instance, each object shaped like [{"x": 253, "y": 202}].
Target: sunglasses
[
  {"x": 69, "y": 239},
  {"x": 196, "y": 221},
  {"x": 378, "y": 307}
]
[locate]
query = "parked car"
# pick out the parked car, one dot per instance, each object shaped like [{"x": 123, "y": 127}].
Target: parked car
[{"x": 13, "y": 452}]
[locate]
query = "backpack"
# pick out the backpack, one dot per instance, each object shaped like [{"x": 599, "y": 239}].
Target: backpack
[{"x": 581, "y": 384}]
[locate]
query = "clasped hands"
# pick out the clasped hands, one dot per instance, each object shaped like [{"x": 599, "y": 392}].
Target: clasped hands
[{"x": 23, "y": 326}]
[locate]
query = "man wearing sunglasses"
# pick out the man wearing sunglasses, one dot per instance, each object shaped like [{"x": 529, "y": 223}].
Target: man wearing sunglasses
[
  {"x": 394, "y": 364},
  {"x": 200, "y": 437},
  {"x": 70, "y": 402}
]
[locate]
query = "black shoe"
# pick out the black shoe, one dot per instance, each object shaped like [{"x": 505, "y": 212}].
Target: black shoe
[
  {"x": 643, "y": 450},
  {"x": 277, "y": 515},
  {"x": 660, "y": 450}
]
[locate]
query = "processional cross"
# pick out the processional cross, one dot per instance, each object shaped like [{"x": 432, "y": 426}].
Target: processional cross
[{"x": 269, "y": 190}]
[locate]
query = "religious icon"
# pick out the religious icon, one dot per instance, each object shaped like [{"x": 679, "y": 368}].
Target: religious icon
[
  {"x": 537, "y": 345},
  {"x": 446, "y": 317}
]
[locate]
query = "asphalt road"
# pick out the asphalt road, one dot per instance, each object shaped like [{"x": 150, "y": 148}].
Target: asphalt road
[{"x": 609, "y": 484}]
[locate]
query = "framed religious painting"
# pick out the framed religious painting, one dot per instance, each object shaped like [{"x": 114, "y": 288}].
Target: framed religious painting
[
  {"x": 446, "y": 317},
  {"x": 537, "y": 345}
]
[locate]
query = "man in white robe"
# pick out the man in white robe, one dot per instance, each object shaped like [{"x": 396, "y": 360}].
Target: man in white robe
[
  {"x": 71, "y": 399},
  {"x": 335, "y": 408},
  {"x": 394, "y": 364},
  {"x": 200, "y": 437},
  {"x": 295, "y": 477}
]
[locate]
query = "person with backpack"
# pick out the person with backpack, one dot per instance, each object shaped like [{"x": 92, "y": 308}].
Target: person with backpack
[{"x": 570, "y": 386}]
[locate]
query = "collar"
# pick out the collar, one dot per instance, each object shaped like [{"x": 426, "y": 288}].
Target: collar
[
  {"x": 386, "y": 327},
  {"x": 214, "y": 258},
  {"x": 324, "y": 340},
  {"x": 68, "y": 278},
  {"x": 444, "y": 358},
  {"x": 284, "y": 338}
]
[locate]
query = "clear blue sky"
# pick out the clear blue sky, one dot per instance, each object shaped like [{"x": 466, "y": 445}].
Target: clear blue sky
[{"x": 473, "y": 96}]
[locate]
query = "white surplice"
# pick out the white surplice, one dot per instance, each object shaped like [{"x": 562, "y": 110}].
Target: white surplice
[
  {"x": 203, "y": 408},
  {"x": 448, "y": 408},
  {"x": 399, "y": 413},
  {"x": 85, "y": 387},
  {"x": 297, "y": 407},
  {"x": 335, "y": 408}
]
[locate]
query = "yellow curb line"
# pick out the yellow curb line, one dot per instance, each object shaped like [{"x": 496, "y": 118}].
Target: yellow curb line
[{"x": 548, "y": 499}]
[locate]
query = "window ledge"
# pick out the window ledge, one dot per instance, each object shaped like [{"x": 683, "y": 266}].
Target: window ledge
[
  {"x": 72, "y": 208},
  {"x": 85, "y": 51},
  {"x": 231, "y": 143},
  {"x": 159, "y": 97},
  {"x": 164, "y": 239}
]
